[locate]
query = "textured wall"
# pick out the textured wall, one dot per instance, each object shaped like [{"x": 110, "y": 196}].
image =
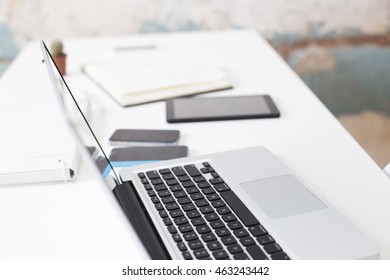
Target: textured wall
[{"x": 337, "y": 73}]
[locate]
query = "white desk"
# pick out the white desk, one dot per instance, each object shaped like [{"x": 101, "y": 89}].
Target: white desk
[{"x": 62, "y": 220}]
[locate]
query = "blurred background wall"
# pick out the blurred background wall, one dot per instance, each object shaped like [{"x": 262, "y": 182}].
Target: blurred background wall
[{"x": 340, "y": 48}]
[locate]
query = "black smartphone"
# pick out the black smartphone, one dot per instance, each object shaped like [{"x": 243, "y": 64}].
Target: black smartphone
[
  {"x": 142, "y": 154},
  {"x": 144, "y": 137},
  {"x": 220, "y": 108}
]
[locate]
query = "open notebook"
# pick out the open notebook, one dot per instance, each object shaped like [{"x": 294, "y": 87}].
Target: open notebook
[{"x": 142, "y": 77}]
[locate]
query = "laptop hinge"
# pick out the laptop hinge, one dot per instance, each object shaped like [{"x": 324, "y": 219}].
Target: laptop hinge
[{"x": 136, "y": 212}]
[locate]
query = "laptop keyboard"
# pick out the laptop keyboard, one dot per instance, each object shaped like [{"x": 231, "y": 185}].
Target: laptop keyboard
[{"x": 205, "y": 217}]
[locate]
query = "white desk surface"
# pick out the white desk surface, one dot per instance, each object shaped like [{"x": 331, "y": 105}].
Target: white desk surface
[{"x": 65, "y": 221}]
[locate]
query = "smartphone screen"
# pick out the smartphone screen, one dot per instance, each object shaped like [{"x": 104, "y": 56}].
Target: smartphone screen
[{"x": 221, "y": 108}]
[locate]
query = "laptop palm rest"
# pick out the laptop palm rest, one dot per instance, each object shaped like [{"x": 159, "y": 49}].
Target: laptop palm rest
[{"x": 282, "y": 196}]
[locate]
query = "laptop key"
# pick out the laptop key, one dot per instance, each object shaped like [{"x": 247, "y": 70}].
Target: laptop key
[
  {"x": 172, "y": 229},
  {"x": 141, "y": 175},
  {"x": 168, "y": 176},
  {"x": 208, "y": 237},
  {"x": 239, "y": 208},
  {"x": 181, "y": 246},
  {"x": 175, "y": 188},
  {"x": 188, "y": 184},
  {"x": 256, "y": 253},
  {"x": 215, "y": 245},
  {"x": 163, "y": 214},
  {"x": 207, "y": 191},
  {"x": 240, "y": 232},
  {"x": 199, "y": 179},
  {"x": 176, "y": 213},
  {"x": 160, "y": 187},
  {"x": 265, "y": 239},
  {"x": 168, "y": 199},
  {"x": 201, "y": 254},
  {"x": 280, "y": 256},
  {"x": 203, "y": 185},
  {"x": 217, "y": 224},
  {"x": 172, "y": 206},
  {"x": 184, "y": 200},
  {"x": 203, "y": 229},
  {"x": 152, "y": 174},
  {"x": 187, "y": 255},
  {"x": 234, "y": 249},
  {"x": 217, "y": 180},
  {"x": 176, "y": 237},
  {"x": 184, "y": 178},
  {"x": 164, "y": 193},
  {"x": 257, "y": 230},
  {"x": 151, "y": 193},
  {"x": 144, "y": 181},
  {"x": 206, "y": 209},
  {"x": 206, "y": 164},
  {"x": 201, "y": 202},
  {"x": 220, "y": 255},
  {"x": 198, "y": 221},
  {"x": 171, "y": 182},
  {"x": 204, "y": 170},
  {"x": 241, "y": 256},
  {"x": 193, "y": 214},
  {"x": 247, "y": 241},
  {"x": 192, "y": 190},
  {"x": 148, "y": 187},
  {"x": 221, "y": 187},
  {"x": 222, "y": 231},
  {"x": 223, "y": 210},
  {"x": 159, "y": 206},
  {"x": 157, "y": 181},
  {"x": 272, "y": 248},
  {"x": 180, "y": 221},
  {"x": 155, "y": 199},
  {"x": 178, "y": 171},
  {"x": 211, "y": 216},
  {"x": 196, "y": 196},
  {"x": 188, "y": 207},
  {"x": 167, "y": 221},
  {"x": 218, "y": 203},
  {"x": 165, "y": 171},
  {"x": 213, "y": 197},
  {"x": 227, "y": 240},
  {"x": 192, "y": 170},
  {"x": 189, "y": 236},
  {"x": 185, "y": 228},
  {"x": 195, "y": 244},
  {"x": 179, "y": 194},
  {"x": 214, "y": 174},
  {"x": 234, "y": 225},
  {"x": 229, "y": 217}
]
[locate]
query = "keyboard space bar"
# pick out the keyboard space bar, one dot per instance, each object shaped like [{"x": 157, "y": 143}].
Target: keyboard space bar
[{"x": 239, "y": 208}]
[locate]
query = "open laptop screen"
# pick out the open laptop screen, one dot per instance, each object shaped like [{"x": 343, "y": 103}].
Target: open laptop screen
[{"x": 76, "y": 111}]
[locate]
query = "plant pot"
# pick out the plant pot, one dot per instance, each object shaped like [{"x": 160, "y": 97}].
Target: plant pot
[{"x": 60, "y": 61}]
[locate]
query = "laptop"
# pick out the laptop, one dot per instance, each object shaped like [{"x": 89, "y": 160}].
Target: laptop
[{"x": 243, "y": 204}]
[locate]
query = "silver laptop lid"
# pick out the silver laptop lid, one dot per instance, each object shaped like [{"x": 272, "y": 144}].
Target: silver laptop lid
[
  {"x": 77, "y": 124},
  {"x": 75, "y": 115}
]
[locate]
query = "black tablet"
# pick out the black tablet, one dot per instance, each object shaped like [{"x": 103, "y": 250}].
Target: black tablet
[{"x": 220, "y": 108}]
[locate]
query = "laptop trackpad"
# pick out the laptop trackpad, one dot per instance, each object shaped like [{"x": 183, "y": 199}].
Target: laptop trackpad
[{"x": 282, "y": 196}]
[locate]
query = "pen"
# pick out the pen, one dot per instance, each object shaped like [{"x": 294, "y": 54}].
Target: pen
[{"x": 135, "y": 48}]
